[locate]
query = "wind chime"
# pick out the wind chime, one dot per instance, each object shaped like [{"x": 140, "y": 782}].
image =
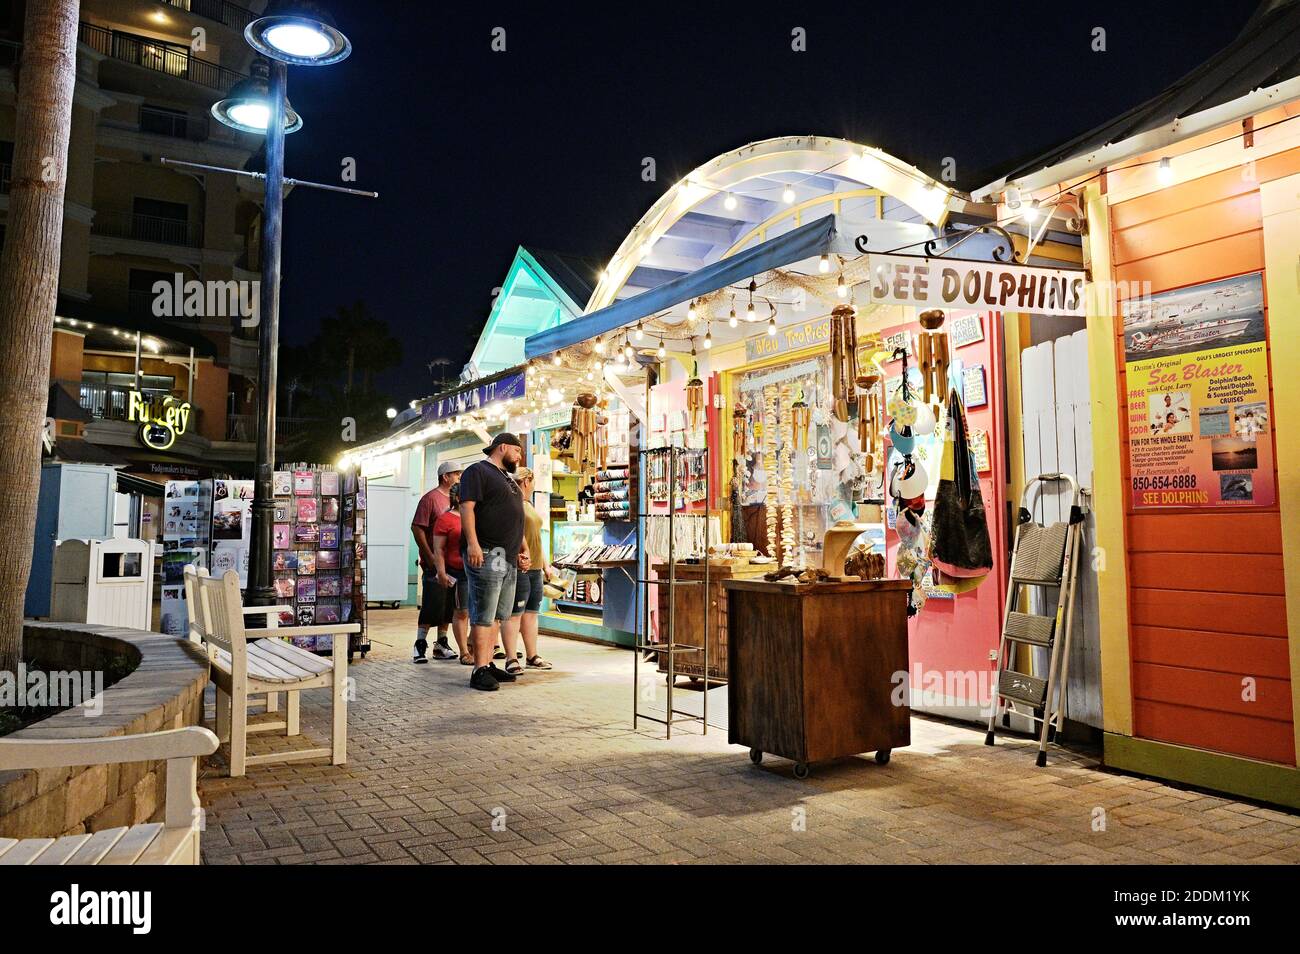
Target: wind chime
[
  {"x": 602, "y": 434},
  {"x": 740, "y": 430},
  {"x": 800, "y": 419},
  {"x": 870, "y": 417},
  {"x": 844, "y": 360},
  {"x": 582, "y": 423},
  {"x": 933, "y": 356},
  {"x": 695, "y": 399}
]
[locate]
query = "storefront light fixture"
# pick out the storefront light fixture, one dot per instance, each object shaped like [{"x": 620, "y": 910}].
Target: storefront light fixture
[
  {"x": 1165, "y": 171},
  {"x": 1011, "y": 198}
]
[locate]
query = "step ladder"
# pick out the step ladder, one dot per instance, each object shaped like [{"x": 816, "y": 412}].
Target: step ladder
[{"x": 1043, "y": 557}]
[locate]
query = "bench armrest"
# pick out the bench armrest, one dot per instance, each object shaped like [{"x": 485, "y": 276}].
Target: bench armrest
[
  {"x": 322, "y": 629},
  {"x": 191, "y": 741}
]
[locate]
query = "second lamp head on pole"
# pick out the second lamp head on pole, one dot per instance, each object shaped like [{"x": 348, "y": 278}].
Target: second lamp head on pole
[{"x": 299, "y": 33}]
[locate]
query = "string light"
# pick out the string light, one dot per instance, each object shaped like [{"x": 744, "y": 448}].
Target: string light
[
  {"x": 662, "y": 352},
  {"x": 771, "y": 327},
  {"x": 787, "y": 195},
  {"x": 599, "y": 345},
  {"x": 555, "y": 359},
  {"x": 729, "y": 203},
  {"x": 1165, "y": 171},
  {"x": 824, "y": 265},
  {"x": 731, "y": 319},
  {"x": 627, "y": 351},
  {"x": 708, "y": 340},
  {"x": 1031, "y": 213},
  {"x": 690, "y": 312},
  {"x": 639, "y": 333},
  {"x": 841, "y": 289}
]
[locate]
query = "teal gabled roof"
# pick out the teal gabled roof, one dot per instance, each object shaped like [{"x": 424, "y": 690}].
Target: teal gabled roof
[{"x": 542, "y": 289}]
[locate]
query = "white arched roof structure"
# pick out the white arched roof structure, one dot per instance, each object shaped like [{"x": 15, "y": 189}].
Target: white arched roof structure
[{"x": 739, "y": 198}]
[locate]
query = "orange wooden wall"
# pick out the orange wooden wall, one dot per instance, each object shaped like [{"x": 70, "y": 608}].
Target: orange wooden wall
[{"x": 1206, "y": 603}]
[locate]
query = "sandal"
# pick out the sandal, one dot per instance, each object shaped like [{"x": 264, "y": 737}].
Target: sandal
[
  {"x": 467, "y": 660},
  {"x": 514, "y": 668},
  {"x": 537, "y": 662}
]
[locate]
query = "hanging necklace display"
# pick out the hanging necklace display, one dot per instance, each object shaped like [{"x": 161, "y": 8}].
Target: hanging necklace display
[
  {"x": 933, "y": 355},
  {"x": 844, "y": 360},
  {"x": 769, "y": 465},
  {"x": 786, "y": 468}
]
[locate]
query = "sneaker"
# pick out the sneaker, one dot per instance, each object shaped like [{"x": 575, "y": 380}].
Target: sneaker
[
  {"x": 418, "y": 655},
  {"x": 482, "y": 680},
  {"x": 537, "y": 662},
  {"x": 500, "y": 675},
  {"x": 515, "y": 668},
  {"x": 499, "y": 654},
  {"x": 443, "y": 651}
]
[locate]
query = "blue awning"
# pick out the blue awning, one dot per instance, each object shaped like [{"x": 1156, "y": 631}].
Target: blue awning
[{"x": 815, "y": 238}]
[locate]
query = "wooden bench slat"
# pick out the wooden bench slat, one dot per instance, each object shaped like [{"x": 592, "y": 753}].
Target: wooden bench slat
[
  {"x": 6, "y": 844},
  {"x": 276, "y": 663},
  {"x": 298, "y": 656},
  {"x": 26, "y": 851},
  {"x": 257, "y": 668},
  {"x": 132, "y": 844},
  {"x": 166, "y": 846},
  {"x": 100, "y": 843},
  {"x": 63, "y": 849}
]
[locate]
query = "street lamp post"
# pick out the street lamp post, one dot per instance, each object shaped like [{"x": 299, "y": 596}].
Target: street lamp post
[{"x": 301, "y": 34}]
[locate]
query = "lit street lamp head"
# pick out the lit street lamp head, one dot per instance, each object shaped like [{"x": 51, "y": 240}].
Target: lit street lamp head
[
  {"x": 299, "y": 33},
  {"x": 248, "y": 107}
]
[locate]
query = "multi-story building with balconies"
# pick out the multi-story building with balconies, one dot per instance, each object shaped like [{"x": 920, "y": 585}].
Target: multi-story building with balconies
[{"x": 148, "y": 72}]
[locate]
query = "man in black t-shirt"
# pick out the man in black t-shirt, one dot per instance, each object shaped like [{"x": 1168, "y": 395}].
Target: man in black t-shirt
[{"x": 492, "y": 537}]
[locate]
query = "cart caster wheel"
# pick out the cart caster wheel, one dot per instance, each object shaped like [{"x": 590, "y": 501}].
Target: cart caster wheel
[
  {"x": 801, "y": 770},
  {"x": 988, "y": 739},
  {"x": 882, "y": 757},
  {"x": 1006, "y": 720},
  {"x": 1042, "y": 759},
  {"x": 755, "y": 756},
  {"x": 363, "y": 653}
]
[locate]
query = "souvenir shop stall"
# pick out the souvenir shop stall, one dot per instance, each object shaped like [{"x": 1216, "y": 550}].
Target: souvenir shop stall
[{"x": 319, "y": 549}]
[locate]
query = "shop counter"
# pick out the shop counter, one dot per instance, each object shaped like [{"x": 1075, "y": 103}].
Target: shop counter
[{"x": 811, "y": 668}]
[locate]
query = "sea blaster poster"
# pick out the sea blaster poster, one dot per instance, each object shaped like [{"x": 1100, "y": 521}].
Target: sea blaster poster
[{"x": 1199, "y": 415}]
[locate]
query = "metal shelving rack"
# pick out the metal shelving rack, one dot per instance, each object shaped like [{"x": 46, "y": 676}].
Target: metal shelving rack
[{"x": 672, "y": 715}]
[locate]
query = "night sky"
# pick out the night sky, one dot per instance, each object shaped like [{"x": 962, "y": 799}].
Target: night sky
[{"x": 475, "y": 152}]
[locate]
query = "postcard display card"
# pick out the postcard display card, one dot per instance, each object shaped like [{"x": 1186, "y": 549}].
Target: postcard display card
[
  {"x": 319, "y": 552},
  {"x": 232, "y": 527},
  {"x": 187, "y": 524}
]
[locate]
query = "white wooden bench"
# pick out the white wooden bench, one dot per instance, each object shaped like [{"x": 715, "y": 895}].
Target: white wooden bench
[
  {"x": 174, "y": 841},
  {"x": 253, "y": 661}
]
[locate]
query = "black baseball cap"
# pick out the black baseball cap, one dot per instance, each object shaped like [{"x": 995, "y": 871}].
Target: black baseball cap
[{"x": 505, "y": 437}]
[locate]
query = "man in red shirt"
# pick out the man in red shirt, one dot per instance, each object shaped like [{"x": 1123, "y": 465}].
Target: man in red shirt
[{"x": 437, "y": 603}]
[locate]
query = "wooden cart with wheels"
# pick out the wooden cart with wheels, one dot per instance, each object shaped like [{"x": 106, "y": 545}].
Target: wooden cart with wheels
[{"x": 814, "y": 669}]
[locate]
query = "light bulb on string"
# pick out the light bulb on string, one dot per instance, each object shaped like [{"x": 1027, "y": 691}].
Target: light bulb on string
[
  {"x": 555, "y": 359},
  {"x": 787, "y": 195},
  {"x": 708, "y": 340},
  {"x": 662, "y": 352},
  {"x": 1031, "y": 213},
  {"x": 749, "y": 309},
  {"x": 627, "y": 351},
  {"x": 729, "y": 203},
  {"x": 824, "y": 264},
  {"x": 599, "y": 345},
  {"x": 690, "y": 311},
  {"x": 1165, "y": 171},
  {"x": 731, "y": 319},
  {"x": 639, "y": 333},
  {"x": 771, "y": 327},
  {"x": 841, "y": 288}
]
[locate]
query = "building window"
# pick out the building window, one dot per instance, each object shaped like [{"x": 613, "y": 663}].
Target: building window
[
  {"x": 6, "y": 165},
  {"x": 140, "y": 295},
  {"x": 164, "y": 122}
]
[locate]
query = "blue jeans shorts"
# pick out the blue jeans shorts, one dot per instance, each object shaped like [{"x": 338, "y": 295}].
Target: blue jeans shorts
[
  {"x": 528, "y": 592},
  {"x": 491, "y": 591}
]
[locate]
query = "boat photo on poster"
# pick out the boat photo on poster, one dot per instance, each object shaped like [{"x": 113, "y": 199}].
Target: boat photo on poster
[{"x": 1198, "y": 396}]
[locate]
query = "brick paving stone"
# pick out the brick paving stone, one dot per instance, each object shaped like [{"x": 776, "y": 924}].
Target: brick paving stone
[{"x": 555, "y": 753}]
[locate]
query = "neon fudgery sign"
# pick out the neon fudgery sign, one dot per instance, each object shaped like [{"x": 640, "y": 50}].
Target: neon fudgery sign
[{"x": 162, "y": 420}]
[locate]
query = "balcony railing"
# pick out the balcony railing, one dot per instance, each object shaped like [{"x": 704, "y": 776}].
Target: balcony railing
[
  {"x": 231, "y": 14},
  {"x": 6, "y": 176},
  {"x": 169, "y": 58},
  {"x": 242, "y": 428},
  {"x": 147, "y": 228},
  {"x": 166, "y": 122}
]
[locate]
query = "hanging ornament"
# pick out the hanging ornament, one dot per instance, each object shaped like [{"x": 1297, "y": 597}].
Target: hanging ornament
[
  {"x": 786, "y": 467},
  {"x": 582, "y": 422},
  {"x": 740, "y": 430},
  {"x": 769, "y": 466},
  {"x": 800, "y": 417},
  {"x": 925, "y": 420}
]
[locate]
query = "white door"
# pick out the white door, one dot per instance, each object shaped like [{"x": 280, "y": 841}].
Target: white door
[
  {"x": 388, "y": 528},
  {"x": 1057, "y": 423}
]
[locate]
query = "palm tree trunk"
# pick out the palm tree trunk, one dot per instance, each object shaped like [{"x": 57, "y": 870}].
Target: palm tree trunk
[{"x": 29, "y": 286}]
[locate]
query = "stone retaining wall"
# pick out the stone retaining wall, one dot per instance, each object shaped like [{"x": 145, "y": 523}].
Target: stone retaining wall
[{"x": 165, "y": 691}]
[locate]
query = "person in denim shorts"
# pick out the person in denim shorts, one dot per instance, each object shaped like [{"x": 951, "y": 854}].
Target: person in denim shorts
[
  {"x": 492, "y": 540},
  {"x": 528, "y": 586}
]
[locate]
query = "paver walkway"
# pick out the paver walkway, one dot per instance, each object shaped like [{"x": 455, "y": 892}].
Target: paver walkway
[{"x": 548, "y": 770}]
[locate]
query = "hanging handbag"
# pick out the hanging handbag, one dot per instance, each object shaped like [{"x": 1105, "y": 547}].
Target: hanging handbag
[{"x": 959, "y": 538}]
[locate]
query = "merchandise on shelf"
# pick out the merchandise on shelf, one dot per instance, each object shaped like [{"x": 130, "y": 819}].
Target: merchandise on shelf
[{"x": 615, "y": 494}]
